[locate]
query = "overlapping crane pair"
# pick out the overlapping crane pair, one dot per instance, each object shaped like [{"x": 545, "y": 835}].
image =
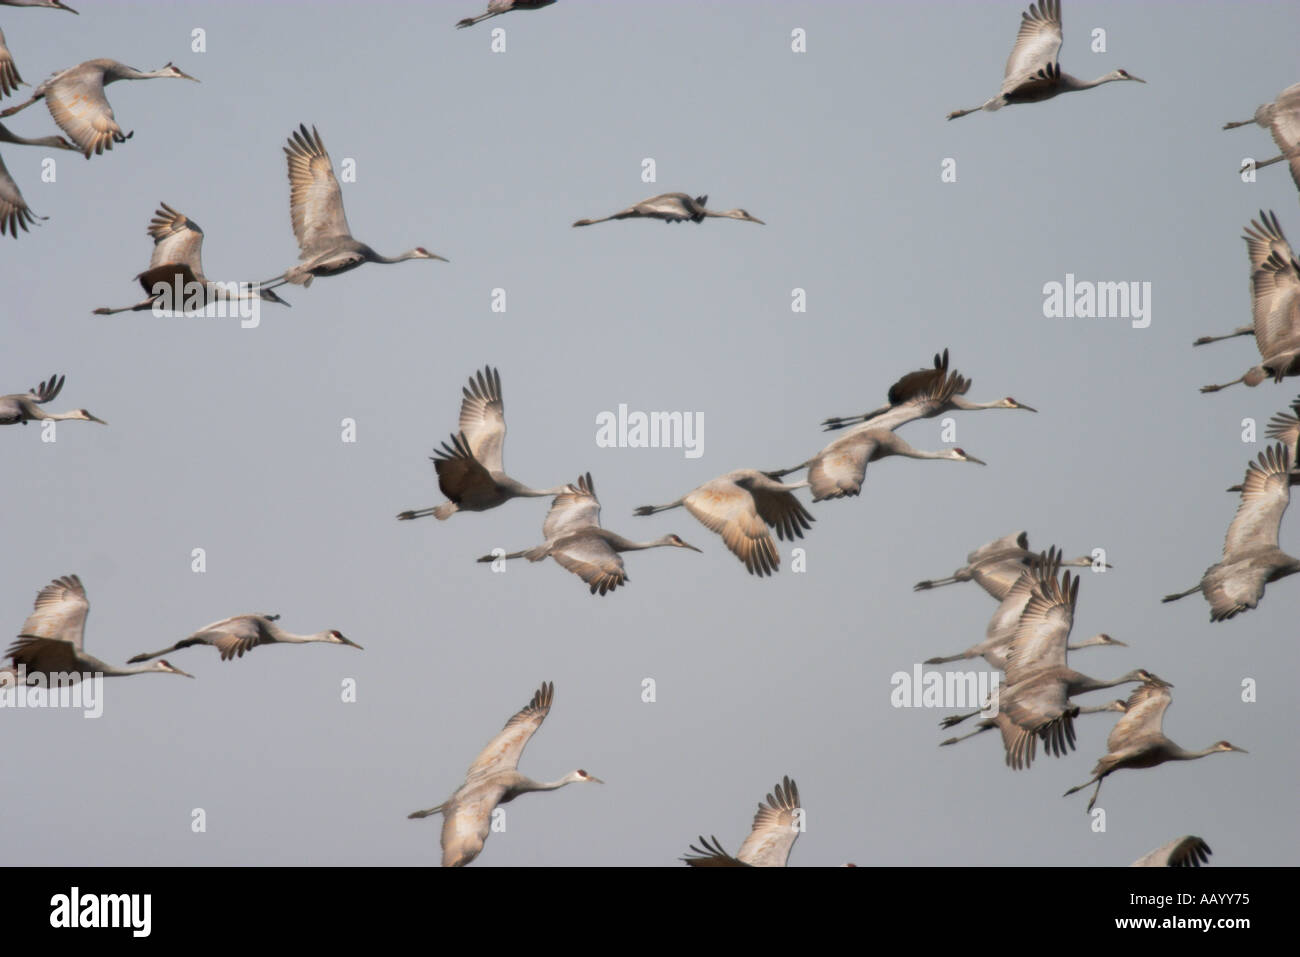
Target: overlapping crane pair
[
  {"x": 1028, "y": 638},
  {"x": 740, "y": 506}
]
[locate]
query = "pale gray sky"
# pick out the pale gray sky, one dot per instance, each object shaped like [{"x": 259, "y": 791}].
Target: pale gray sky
[{"x": 229, "y": 439}]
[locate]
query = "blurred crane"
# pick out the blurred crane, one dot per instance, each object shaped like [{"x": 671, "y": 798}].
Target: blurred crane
[
  {"x": 773, "y": 833},
  {"x": 235, "y": 635},
  {"x": 674, "y": 208},
  {"x": 21, "y": 408},
  {"x": 1282, "y": 119}
]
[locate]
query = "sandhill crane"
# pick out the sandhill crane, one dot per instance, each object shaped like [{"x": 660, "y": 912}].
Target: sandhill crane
[
  {"x": 1138, "y": 741},
  {"x": 240, "y": 633},
  {"x": 51, "y": 4},
  {"x": 739, "y": 506},
  {"x": 53, "y": 635},
  {"x": 923, "y": 394},
  {"x": 1039, "y": 684},
  {"x": 1185, "y": 851},
  {"x": 14, "y": 211},
  {"x": 996, "y": 566},
  {"x": 319, "y": 223},
  {"x": 1275, "y": 308},
  {"x": 1263, "y": 238},
  {"x": 773, "y": 833},
  {"x": 1251, "y": 556},
  {"x": 576, "y": 541},
  {"x": 9, "y": 78},
  {"x": 177, "y": 263},
  {"x": 470, "y": 470},
  {"x": 674, "y": 208},
  {"x": 840, "y": 468},
  {"x": 76, "y": 100},
  {"x": 492, "y": 780},
  {"x": 1033, "y": 72},
  {"x": 1011, "y": 732},
  {"x": 1282, "y": 119},
  {"x": 1002, "y": 626},
  {"x": 22, "y": 408},
  {"x": 497, "y": 7}
]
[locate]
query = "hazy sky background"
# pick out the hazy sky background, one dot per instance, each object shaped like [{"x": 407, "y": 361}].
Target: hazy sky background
[{"x": 229, "y": 439}]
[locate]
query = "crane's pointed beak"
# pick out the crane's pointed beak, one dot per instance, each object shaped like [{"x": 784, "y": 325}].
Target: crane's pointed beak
[
  {"x": 971, "y": 458},
  {"x": 1027, "y": 408},
  {"x": 349, "y": 641},
  {"x": 91, "y": 418},
  {"x": 692, "y": 548},
  {"x": 595, "y": 780}
]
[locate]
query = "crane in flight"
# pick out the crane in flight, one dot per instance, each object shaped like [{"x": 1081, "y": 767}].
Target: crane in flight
[
  {"x": 470, "y": 470},
  {"x": 1185, "y": 851},
  {"x": 1138, "y": 739},
  {"x": 53, "y": 636},
  {"x": 674, "y": 208},
  {"x": 14, "y": 211},
  {"x": 1035, "y": 700},
  {"x": 1002, "y": 626},
  {"x": 576, "y": 541},
  {"x": 21, "y": 408},
  {"x": 1251, "y": 556},
  {"x": 177, "y": 263},
  {"x": 76, "y": 100},
  {"x": 235, "y": 635},
  {"x": 996, "y": 566},
  {"x": 923, "y": 394},
  {"x": 493, "y": 779},
  {"x": 497, "y": 7},
  {"x": 776, "y": 827},
  {"x": 319, "y": 224},
  {"x": 1033, "y": 72},
  {"x": 1263, "y": 237},
  {"x": 1282, "y": 119},
  {"x": 740, "y": 506},
  {"x": 1275, "y": 309}
]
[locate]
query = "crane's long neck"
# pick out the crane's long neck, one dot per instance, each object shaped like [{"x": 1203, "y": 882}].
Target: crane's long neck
[
  {"x": 1182, "y": 754},
  {"x": 967, "y": 406},
  {"x": 1081, "y": 683},
  {"x": 288, "y": 637},
  {"x": 621, "y": 544},
  {"x": 8, "y": 137}
]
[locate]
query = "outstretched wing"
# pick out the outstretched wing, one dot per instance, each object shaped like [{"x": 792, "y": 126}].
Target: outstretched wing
[
  {"x": 572, "y": 510},
  {"x": 47, "y": 390},
  {"x": 1038, "y": 44},
  {"x": 722, "y": 506},
  {"x": 1265, "y": 493},
  {"x": 14, "y": 211},
  {"x": 1263, "y": 238},
  {"x": 783, "y": 512},
  {"x": 9, "y": 78},
  {"x": 1145, "y": 716},
  {"x": 775, "y": 828},
  {"x": 315, "y": 200},
  {"x": 60, "y": 612},
  {"x": 1275, "y": 300},
  {"x": 177, "y": 240},
  {"x": 482, "y": 418},
  {"x": 711, "y": 855},
  {"x": 503, "y": 751},
  {"x": 1185, "y": 851},
  {"x": 77, "y": 103},
  {"x": 1044, "y": 626}
]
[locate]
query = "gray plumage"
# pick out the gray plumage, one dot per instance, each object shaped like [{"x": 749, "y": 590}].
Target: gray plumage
[
  {"x": 177, "y": 262},
  {"x": 325, "y": 242},
  {"x": 75, "y": 98},
  {"x": 576, "y": 541},
  {"x": 14, "y": 211},
  {"x": 493, "y": 779},
  {"x": 1282, "y": 119},
  {"x": 674, "y": 208},
  {"x": 770, "y": 839},
  {"x": 470, "y": 470},
  {"x": 21, "y": 408},
  {"x": 740, "y": 506},
  {"x": 1033, "y": 72},
  {"x": 1251, "y": 556},
  {"x": 240, "y": 633},
  {"x": 1138, "y": 739},
  {"x": 53, "y": 637}
]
